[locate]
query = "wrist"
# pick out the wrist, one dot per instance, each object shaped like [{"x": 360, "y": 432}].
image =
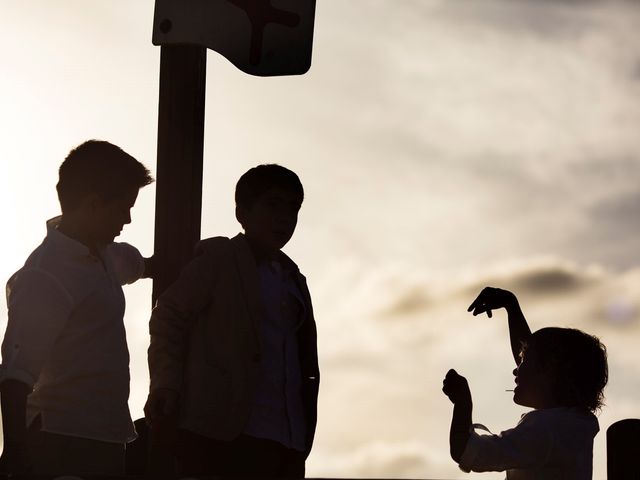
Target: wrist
[
  {"x": 464, "y": 400},
  {"x": 511, "y": 304}
]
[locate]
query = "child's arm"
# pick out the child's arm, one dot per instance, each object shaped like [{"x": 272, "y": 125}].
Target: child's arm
[
  {"x": 171, "y": 320},
  {"x": 457, "y": 389},
  {"x": 491, "y": 298}
]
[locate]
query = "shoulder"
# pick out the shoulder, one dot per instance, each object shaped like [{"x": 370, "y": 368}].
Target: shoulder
[
  {"x": 32, "y": 283},
  {"x": 562, "y": 418},
  {"x": 213, "y": 245},
  {"x": 45, "y": 256},
  {"x": 214, "y": 249},
  {"x": 43, "y": 267},
  {"x": 290, "y": 265},
  {"x": 213, "y": 253}
]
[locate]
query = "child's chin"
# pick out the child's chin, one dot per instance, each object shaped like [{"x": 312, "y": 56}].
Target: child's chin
[
  {"x": 517, "y": 398},
  {"x": 523, "y": 402}
]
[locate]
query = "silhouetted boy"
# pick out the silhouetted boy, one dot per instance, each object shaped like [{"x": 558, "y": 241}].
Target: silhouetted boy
[
  {"x": 65, "y": 363},
  {"x": 233, "y": 343},
  {"x": 561, "y": 373}
]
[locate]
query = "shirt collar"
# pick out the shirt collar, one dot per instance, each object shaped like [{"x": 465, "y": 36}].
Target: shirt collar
[
  {"x": 61, "y": 241},
  {"x": 288, "y": 266}
]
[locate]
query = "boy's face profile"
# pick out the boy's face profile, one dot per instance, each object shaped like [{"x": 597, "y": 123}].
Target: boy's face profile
[
  {"x": 270, "y": 221},
  {"x": 533, "y": 382},
  {"x": 110, "y": 216}
]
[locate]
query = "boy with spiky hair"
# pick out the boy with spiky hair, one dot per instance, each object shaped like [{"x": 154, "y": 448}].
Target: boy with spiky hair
[
  {"x": 65, "y": 363},
  {"x": 561, "y": 373},
  {"x": 233, "y": 343}
]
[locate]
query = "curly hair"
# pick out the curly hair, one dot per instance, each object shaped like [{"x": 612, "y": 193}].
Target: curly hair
[{"x": 576, "y": 362}]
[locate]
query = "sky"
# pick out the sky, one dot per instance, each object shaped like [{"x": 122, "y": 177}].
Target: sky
[{"x": 443, "y": 146}]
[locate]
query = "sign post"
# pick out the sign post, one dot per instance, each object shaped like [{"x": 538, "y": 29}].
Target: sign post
[
  {"x": 258, "y": 38},
  {"x": 179, "y": 167}
]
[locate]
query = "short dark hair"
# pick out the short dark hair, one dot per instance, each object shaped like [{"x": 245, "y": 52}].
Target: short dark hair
[
  {"x": 98, "y": 167},
  {"x": 262, "y": 178},
  {"x": 576, "y": 362}
]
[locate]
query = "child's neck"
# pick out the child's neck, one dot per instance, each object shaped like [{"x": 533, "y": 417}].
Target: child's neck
[
  {"x": 72, "y": 228},
  {"x": 260, "y": 254},
  {"x": 542, "y": 403}
]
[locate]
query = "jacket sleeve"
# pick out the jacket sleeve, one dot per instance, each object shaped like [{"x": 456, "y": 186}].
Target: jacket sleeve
[{"x": 172, "y": 318}]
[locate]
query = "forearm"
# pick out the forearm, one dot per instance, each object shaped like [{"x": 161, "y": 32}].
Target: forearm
[
  {"x": 13, "y": 394},
  {"x": 149, "y": 267},
  {"x": 460, "y": 428},
  {"x": 519, "y": 331},
  {"x": 167, "y": 348}
]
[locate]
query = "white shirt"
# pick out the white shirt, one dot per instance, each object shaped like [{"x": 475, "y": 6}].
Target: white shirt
[
  {"x": 65, "y": 336},
  {"x": 547, "y": 444}
]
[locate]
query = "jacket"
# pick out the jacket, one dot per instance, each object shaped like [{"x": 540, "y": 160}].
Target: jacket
[{"x": 205, "y": 342}]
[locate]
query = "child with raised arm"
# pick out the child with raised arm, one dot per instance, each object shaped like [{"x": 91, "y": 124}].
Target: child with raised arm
[{"x": 561, "y": 374}]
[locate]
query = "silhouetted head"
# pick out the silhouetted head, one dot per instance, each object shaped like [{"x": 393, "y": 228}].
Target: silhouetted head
[
  {"x": 268, "y": 198},
  {"x": 97, "y": 187},
  {"x": 565, "y": 365},
  {"x": 100, "y": 168}
]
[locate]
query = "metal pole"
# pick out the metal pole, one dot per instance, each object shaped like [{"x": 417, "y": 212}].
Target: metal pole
[
  {"x": 178, "y": 198},
  {"x": 179, "y": 168}
]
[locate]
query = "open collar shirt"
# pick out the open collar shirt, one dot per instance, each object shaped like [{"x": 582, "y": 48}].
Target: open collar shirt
[
  {"x": 65, "y": 336},
  {"x": 278, "y": 413}
]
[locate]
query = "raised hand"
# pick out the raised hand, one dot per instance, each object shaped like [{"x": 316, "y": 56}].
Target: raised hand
[
  {"x": 492, "y": 298},
  {"x": 456, "y": 388}
]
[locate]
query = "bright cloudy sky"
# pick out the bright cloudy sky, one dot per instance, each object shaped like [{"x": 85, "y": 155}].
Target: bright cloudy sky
[{"x": 444, "y": 145}]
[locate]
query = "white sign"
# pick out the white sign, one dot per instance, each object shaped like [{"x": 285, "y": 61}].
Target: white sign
[{"x": 260, "y": 37}]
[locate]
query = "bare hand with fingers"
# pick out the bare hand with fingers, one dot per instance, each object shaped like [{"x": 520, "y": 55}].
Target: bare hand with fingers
[{"x": 491, "y": 298}]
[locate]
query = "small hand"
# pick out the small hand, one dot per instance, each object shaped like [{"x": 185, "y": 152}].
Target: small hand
[
  {"x": 161, "y": 402},
  {"x": 491, "y": 298},
  {"x": 456, "y": 387}
]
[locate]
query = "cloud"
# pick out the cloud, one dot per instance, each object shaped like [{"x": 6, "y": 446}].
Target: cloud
[
  {"x": 618, "y": 215},
  {"x": 547, "y": 20},
  {"x": 434, "y": 138},
  {"x": 543, "y": 276},
  {"x": 379, "y": 460}
]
